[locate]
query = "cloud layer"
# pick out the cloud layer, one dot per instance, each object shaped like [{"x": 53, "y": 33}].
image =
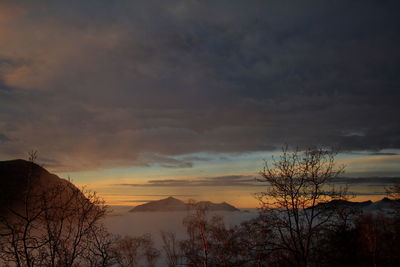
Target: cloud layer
[
  {"x": 228, "y": 180},
  {"x": 94, "y": 84},
  {"x": 249, "y": 181}
]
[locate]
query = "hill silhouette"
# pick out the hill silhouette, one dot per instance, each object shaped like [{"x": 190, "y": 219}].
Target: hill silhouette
[{"x": 20, "y": 178}]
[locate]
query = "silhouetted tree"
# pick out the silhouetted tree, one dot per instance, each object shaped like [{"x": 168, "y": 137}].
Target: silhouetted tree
[
  {"x": 210, "y": 242},
  {"x": 171, "y": 249},
  {"x": 196, "y": 248},
  {"x": 296, "y": 183},
  {"x": 256, "y": 243},
  {"x": 378, "y": 239},
  {"x": 131, "y": 251},
  {"x": 100, "y": 250}
]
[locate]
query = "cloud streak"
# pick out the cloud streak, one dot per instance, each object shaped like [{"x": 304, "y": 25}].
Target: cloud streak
[
  {"x": 249, "y": 181},
  {"x": 229, "y": 180},
  {"x": 375, "y": 181}
]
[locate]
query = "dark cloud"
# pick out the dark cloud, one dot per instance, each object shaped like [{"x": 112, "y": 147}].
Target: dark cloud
[
  {"x": 4, "y": 138},
  {"x": 375, "y": 181},
  {"x": 166, "y": 162},
  {"x": 151, "y": 195},
  {"x": 230, "y": 180},
  {"x": 377, "y": 193},
  {"x": 138, "y": 201},
  {"x": 373, "y": 153},
  {"x": 243, "y": 181},
  {"x": 98, "y": 84},
  {"x": 383, "y": 154}
]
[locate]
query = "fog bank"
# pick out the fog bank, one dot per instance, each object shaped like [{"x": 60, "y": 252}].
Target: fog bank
[{"x": 122, "y": 222}]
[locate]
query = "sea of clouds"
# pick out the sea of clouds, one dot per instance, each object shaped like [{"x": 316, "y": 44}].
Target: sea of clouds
[{"x": 122, "y": 222}]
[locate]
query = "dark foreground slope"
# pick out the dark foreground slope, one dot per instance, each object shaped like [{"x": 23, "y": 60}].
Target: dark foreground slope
[
  {"x": 21, "y": 180},
  {"x": 46, "y": 220},
  {"x": 173, "y": 204}
]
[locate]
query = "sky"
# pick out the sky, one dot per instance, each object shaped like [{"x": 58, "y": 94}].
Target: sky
[{"x": 139, "y": 100}]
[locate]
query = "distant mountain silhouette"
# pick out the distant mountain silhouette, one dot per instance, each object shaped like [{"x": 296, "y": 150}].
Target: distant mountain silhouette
[
  {"x": 217, "y": 206},
  {"x": 383, "y": 204},
  {"x": 344, "y": 203},
  {"x": 173, "y": 204}
]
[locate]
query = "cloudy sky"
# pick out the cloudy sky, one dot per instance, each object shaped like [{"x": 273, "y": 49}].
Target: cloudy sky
[{"x": 141, "y": 99}]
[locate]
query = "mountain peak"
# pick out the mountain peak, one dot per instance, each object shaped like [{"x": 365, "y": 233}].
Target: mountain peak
[{"x": 173, "y": 204}]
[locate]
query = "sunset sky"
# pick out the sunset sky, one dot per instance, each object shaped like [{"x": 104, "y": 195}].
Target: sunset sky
[{"x": 140, "y": 100}]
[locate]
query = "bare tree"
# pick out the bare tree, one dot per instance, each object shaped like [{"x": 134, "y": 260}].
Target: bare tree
[
  {"x": 70, "y": 226},
  {"x": 196, "y": 247},
  {"x": 296, "y": 183},
  {"x": 100, "y": 250},
  {"x": 171, "y": 248},
  {"x": 131, "y": 251},
  {"x": 225, "y": 246},
  {"x": 254, "y": 238},
  {"x": 210, "y": 242}
]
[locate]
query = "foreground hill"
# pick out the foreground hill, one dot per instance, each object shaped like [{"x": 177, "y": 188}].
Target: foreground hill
[
  {"x": 173, "y": 204},
  {"x": 45, "y": 220},
  {"x": 22, "y": 181}
]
